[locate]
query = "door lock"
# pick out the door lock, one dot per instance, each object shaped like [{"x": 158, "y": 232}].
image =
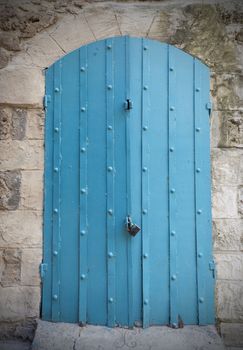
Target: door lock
[{"x": 132, "y": 228}]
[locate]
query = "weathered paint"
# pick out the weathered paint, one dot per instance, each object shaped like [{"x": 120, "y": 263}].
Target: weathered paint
[{"x": 115, "y": 162}]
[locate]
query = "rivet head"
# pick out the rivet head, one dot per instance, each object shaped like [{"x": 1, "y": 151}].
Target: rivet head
[
  {"x": 172, "y": 190},
  {"x": 200, "y": 255},
  {"x": 199, "y": 211},
  {"x": 55, "y": 252},
  {"x": 109, "y": 87},
  {"x": 198, "y": 129},
  {"x": 83, "y": 276},
  {"x": 110, "y": 254},
  {"x": 83, "y": 190},
  {"x": 56, "y": 170},
  {"x": 145, "y": 255},
  {"x": 83, "y": 109},
  {"x": 171, "y": 69},
  {"x": 109, "y": 168},
  {"x": 55, "y": 210},
  {"x": 145, "y": 169},
  {"x": 172, "y": 233},
  {"x": 145, "y": 301},
  {"x": 82, "y": 69},
  {"x": 83, "y": 233},
  {"x": 145, "y": 211},
  {"x": 171, "y": 149},
  {"x": 197, "y": 89},
  {"x": 111, "y": 300},
  {"x": 56, "y": 129},
  {"x": 110, "y": 211},
  {"x": 109, "y": 127},
  {"x": 198, "y": 170},
  {"x": 145, "y": 128},
  {"x": 145, "y": 48},
  {"x": 145, "y": 87},
  {"x": 172, "y": 108},
  {"x": 57, "y": 89},
  {"x": 55, "y": 297},
  {"x": 173, "y": 277},
  {"x": 201, "y": 300},
  {"x": 109, "y": 47},
  {"x": 83, "y": 149}
]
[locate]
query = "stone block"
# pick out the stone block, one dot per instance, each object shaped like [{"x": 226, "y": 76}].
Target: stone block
[
  {"x": 35, "y": 125},
  {"x": 10, "y": 268},
  {"x": 9, "y": 41},
  {"x": 18, "y": 303},
  {"x": 225, "y": 202},
  {"x": 229, "y": 301},
  {"x": 26, "y": 154},
  {"x": 227, "y": 91},
  {"x": 229, "y": 266},
  {"x": 32, "y": 190},
  {"x": 20, "y": 228},
  {"x": 231, "y": 129},
  {"x": 31, "y": 259},
  {"x": 226, "y": 166},
  {"x": 240, "y": 201},
  {"x": 102, "y": 21},
  {"x": 5, "y": 123},
  {"x": 228, "y": 234},
  {"x": 21, "y": 85},
  {"x": 10, "y": 189},
  {"x": 162, "y": 26},
  {"x": 4, "y": 58},
  {"x": 215, "y": 125},
  {"x": 232, "y": 334},
  {"x": 13, "y": 123},
  {"x": 65, "y": 32}
]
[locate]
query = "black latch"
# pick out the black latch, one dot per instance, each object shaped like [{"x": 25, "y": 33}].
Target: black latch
[{"x": 128, "y": 104}]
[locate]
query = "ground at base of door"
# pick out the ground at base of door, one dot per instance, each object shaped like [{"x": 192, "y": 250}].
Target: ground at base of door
[
  {"x": 64, "y": 336},
  {"x": 14, "y": 345}
]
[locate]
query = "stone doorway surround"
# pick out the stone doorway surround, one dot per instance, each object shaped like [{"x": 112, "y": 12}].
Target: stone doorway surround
[{"x": 33, "y": 35}]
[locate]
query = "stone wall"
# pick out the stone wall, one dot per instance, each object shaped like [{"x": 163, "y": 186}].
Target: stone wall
[{"x": 34, "y": 34}]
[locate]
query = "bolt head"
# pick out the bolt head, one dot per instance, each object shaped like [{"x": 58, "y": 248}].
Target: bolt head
[
  {"x": 83, "y": 233},
  {"x": 145, "y": 87},
  {"x": 55, "y": 297},
  {"x": 55, "y": 252},
  {"x": 83, "y": 276},
  {"x": 110, "y": 254},
  {"x": 145, "y": 169},
  {"x": 111, "y": 300},
  {"x": 172, "y": 233},
  {"x": 82, "y": 69},
  {"x": 145, "y": 128}
]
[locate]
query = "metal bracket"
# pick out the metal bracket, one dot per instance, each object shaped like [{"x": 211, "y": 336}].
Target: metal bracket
[
  {"x": 133, "y": 229},
  {"x": 43, "y": 270},
  {"x": 212, "y": 267},
  {"x": 47, "y": 99},
  {"x": 128, "y": 104},
  {"x": 209, "y": 107}
]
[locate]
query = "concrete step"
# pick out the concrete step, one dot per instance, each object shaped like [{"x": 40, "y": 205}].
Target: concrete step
[{"x": 65, "y": 336}]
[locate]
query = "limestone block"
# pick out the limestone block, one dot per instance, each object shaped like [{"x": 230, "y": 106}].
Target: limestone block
[
  {"x": 35, "y": 125},
  {"x": 20, "y": 85},
  {"x": 32, "y": 190},
  {"x": 224, "y": 202},
  {"x": 102, "y": 21},
  {"x": 231, "y": 129},
  {"x": 31, "y": 259},
  {"x": 227, "y": 91},
  {"x": 228, "y": 234},
  {"x": 229, "y": 301},
  {"x": 162, "y": 26},
  {"x": 215, "y": 125},
  {"x": 26, "y": 154},
  {"x": 229, "y": 266},
  {"x": 240, "y": 201},
  {"x": 20, "y": 228},
  {"x": 12, "y": 123},
  {"x": 65, "y": 32},
  {"x": 10, "y": 189},
  {"x": 226, "y": 166},
  {"x": 232, "y": 334},
  {"x": 134, "y": 20},
  {"x": 17, "y": 303},
  {"x": 9, "y": 41},
  {"x": 40, "y": 51},
  {"x": 10, "y": 267},
  {"x": 4, "y": 58}
]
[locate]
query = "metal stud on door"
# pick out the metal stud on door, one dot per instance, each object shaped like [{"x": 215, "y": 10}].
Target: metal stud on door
[{"x": 127, "y": 232}]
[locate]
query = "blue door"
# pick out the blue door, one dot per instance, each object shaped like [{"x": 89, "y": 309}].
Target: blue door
[{"x": 127, "y": 231}]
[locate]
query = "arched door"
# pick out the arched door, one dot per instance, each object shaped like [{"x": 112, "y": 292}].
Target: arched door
[{"x": 127, "y": 233}]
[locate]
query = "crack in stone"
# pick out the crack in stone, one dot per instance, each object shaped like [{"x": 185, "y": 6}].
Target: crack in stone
[
  {"x": 55, "y": 41},
  {"x": 89, "y": 26}
]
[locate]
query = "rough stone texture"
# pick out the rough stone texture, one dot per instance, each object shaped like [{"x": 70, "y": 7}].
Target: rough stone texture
[
  {"x": 68, "y": 336},
  {"x": 33, "y": 35},
  {"x": 232, "y": 334},
  {"x": 9, "y": 189}
]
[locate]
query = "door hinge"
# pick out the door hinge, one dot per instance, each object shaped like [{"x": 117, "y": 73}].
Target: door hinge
[
  {"x": 209, "y": 107},
  {"x": 43, "y": 270},
  {"x": 128, "y": 104},
  {"x": 47, "y": 99},
  {"x": 212, "y": 267}
]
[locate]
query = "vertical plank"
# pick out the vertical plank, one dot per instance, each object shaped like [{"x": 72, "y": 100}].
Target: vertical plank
[
  {"x": 205, "y": 282},
  {"x": 111, "y": 292},
  {"x": 128, "y": 184},
  {"x": 56, "y": 239},
  {"x": 171, "y": 188},
  {"x": 83, "y": 189},
  {"x": 145, "y": 178}
]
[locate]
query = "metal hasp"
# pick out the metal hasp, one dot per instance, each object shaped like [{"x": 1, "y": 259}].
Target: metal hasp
[
  {"x": 126, "y": 151},
  {"x": 132, "y": 228}
]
